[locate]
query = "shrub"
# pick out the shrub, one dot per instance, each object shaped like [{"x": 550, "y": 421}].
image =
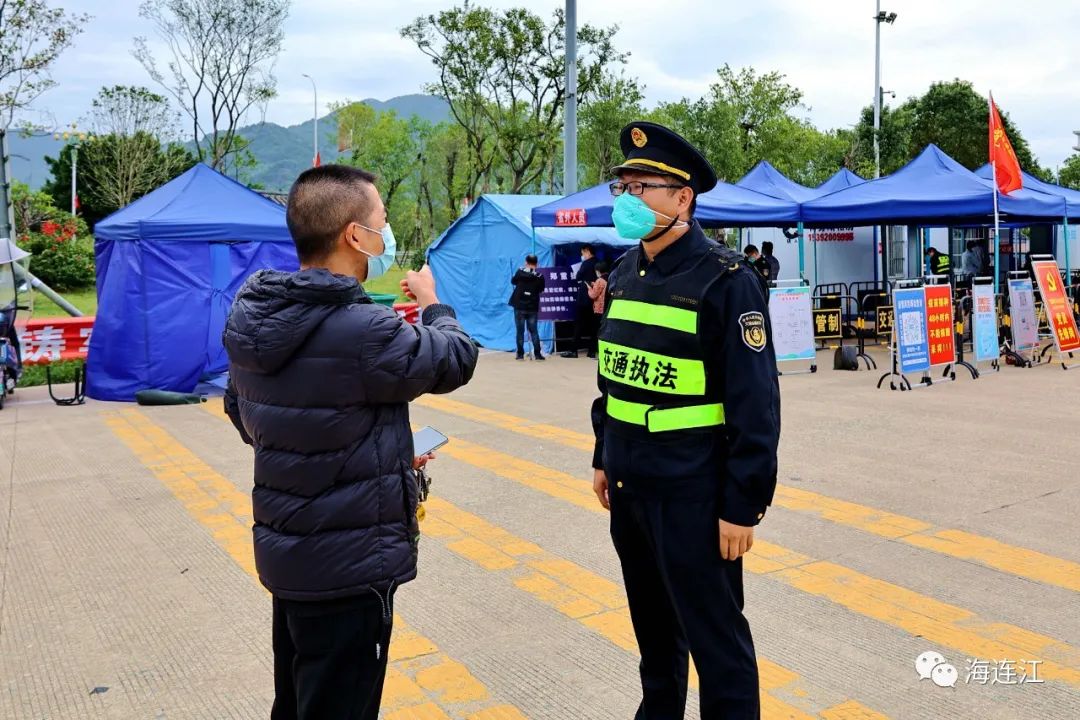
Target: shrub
[
  {"x": 63, "y": 253},
  {"x": 61, "y": 244}
]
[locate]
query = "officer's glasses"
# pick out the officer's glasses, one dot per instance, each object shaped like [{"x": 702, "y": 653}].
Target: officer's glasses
[{"x": 636, "y": 187}]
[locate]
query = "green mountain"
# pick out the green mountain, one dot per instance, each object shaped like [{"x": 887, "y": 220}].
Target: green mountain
[{"x": 282, "y": 153}]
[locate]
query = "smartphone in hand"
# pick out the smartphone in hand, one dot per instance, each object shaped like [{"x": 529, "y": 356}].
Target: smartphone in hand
[{"x": 427, "y": 440}]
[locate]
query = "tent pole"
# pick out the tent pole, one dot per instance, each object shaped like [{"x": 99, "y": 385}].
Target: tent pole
[
  {"x": 1065, "y": 237},
  {"x": 817, "y": 281},
  {"x": 802, "y": 256},
  {"x": 922, "y": 251},
  {"x": 875, "y": 251}
]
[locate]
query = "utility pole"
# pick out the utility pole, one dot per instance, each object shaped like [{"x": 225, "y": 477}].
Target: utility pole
[
  {"x": 7, "y": 212},
  {"x": 315, "y": 132},
  {"x": 570, "y": 111}
]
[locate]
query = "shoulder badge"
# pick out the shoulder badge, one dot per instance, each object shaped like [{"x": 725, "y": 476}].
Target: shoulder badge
[{"x": 753, "y": 330}]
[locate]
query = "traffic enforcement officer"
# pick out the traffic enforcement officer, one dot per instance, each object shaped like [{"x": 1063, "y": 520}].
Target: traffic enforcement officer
[
  {"x": 687, "y": 427},
  {"x": 940, "y": 263}
]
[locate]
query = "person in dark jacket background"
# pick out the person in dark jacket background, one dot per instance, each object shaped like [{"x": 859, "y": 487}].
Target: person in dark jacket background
[
  {"x": 525, "y": 299},
  {"x": 583, "y": 322},
  {"x": 320, "y": 381},
  {"x": 771, "y": 261}
]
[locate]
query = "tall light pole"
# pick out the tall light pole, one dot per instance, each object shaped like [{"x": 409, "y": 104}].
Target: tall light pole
[
  {"x": 570, "y": 112},
  {"x": 879, "y": 18},
  {"x": 77, "y": 138},
  {"x": 315, "y": 132}
]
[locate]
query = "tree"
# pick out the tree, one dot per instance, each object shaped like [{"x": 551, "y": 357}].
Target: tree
[
  {"x": 128, "y": 110},
  {"x": 616, "y": 102},
  {"x": 32, "y": 37},
  {"x": 952, "y": 116},
  {"x": 381, "y": 142},
  {"x": 1069, "y": 175},
  {"x": 220, "y": 66},
  {"x": 745, "y": 118},
  {"x": 502, "y": 72},
  {"x": 125, "y": 159}
]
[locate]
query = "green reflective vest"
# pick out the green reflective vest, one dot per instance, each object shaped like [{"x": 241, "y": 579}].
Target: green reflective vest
[{"x": 650, "y": 348}]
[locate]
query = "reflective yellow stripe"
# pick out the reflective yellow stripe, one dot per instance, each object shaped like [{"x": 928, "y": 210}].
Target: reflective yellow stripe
[
  {"x": 665, "y": 419},
  {"x": 664, "y": 316},
  {"x": 651, "y": 371},
  {"x": 659, "y": 166}
]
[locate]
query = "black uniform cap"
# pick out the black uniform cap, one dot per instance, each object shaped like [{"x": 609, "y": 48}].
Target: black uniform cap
[{"x": 653, "y": 148}]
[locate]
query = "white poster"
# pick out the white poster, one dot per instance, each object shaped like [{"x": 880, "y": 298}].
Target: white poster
[
  {"x": 1025, "y": 326},
  {"x": 792, "y": 323}
]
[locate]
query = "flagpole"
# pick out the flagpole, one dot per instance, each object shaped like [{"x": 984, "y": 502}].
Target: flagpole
[{"x": 997, "y": 217}]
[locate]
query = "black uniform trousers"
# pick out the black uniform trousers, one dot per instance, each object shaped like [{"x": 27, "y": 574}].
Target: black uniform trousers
[
  {"x": 330, "y": 658},
  {"x": 684, "y": 599}
]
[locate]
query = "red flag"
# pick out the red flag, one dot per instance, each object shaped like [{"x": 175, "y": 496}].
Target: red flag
[
  {"x": 1002, "y": 157},
  {"x": 318, "y": 160},
  {"x": 78, "y": 204}
]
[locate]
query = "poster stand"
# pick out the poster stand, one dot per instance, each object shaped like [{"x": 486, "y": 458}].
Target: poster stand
[
  {"x": 1022, "y": 341},
  {"x": 1058, "y": 309},
  {"x": 984, "y": 323},
  {"x": 909, "y": 301},
  {"x": 791, "y": 319},
  {"x": 939, "y": 289},
  {"x": 924, "y": 333}
]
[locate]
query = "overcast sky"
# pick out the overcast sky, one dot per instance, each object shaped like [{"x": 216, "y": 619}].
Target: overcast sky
[{"x": 1027, "y": 53}]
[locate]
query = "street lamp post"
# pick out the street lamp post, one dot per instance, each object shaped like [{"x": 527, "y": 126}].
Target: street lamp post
[
  {"x": 879, "y": 17},
  {"x": 315, "y": 114},
  {"x": 78, "y": 139},
  {"x": 570, "y": 106}
]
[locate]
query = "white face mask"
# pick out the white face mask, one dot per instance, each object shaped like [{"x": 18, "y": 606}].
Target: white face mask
[{"x": 378, "y": 265}]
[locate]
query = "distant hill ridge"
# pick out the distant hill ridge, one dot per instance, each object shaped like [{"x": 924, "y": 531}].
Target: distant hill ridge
[{"x": 282, "y": 153}]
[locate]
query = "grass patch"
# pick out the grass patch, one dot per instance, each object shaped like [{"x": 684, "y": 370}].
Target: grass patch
[
  {"x": 63, "y": 372},
  {"x": 85, "y": 300},
  {"x": 390, "y": 283}
]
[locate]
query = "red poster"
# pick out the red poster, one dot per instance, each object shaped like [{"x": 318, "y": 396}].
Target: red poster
[
  {"x": 1058, "y": 308},
  {"x": 570, "y": 218},
  {"x": 939, "y": 324}
]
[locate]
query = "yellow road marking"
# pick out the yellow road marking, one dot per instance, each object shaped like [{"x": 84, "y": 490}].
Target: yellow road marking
[
  {"x": 916, "y": 614},
  {"x": 220, "y": 507},
  {"x": 986, "y": 551},
  {"x": 593, "y": 600}
]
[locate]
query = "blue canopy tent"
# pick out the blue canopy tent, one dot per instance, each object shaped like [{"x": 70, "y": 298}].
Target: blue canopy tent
[
  {"x": 168, "y": 267},
  {"x": 767, "y": 180},
  {"x": 1072, "y": 200},
  {"x": 723, "y": 206},
  {"x": 931, "y": 190},
  {"x": 842, "y": 179},
  {"x": 477, "y": 255}
]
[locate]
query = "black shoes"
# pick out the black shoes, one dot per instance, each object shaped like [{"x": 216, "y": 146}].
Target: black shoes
[
  {"x": 568, "y": 354},
  {"x": 541, "y": 357}
]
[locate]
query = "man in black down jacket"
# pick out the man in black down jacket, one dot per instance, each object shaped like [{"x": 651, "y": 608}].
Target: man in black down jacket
[
  {"x": 320, "y": 378},
  {"x": 528, "y": 285}
]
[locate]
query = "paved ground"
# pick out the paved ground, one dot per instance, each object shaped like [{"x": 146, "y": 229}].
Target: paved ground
[{"x": 943, "y": 520}]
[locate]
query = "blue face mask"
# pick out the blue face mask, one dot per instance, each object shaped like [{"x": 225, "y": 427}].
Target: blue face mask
[
  {"x": 379, "y": 264},
  {"x": 633, "y": 219}
]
